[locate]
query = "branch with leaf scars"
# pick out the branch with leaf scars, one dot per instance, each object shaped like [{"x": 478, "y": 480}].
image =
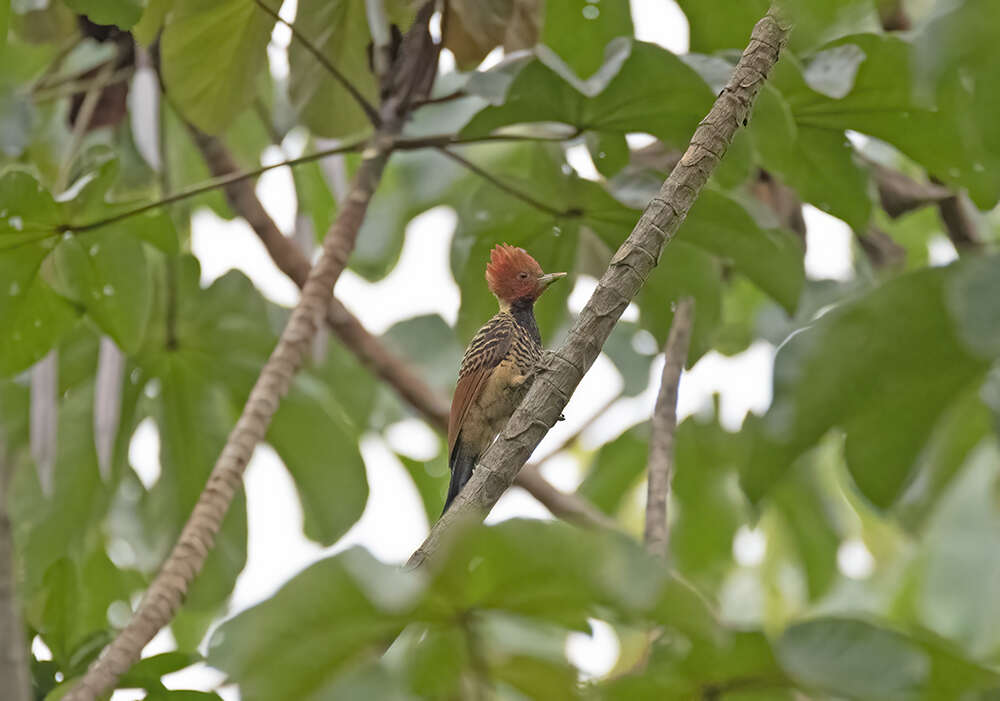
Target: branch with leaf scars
[
  {"x": 660, "y": 466},
  {"x": 166, "y": 593},
  {"x": 559, "y": 372}
]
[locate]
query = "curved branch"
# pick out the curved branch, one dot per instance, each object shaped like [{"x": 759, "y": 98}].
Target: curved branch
[
  {"x": 167, "y": 591},
  {"x": 389, "y": 367},
  {"x": 559, "y": 372},
  {"x": 661, "y": 441}
]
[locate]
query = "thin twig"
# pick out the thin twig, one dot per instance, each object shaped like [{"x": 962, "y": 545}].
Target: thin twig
[
  {"x": 213, "y": 184},
  {"x": 664, "y": 426},
  {"x": 558, "y": 372},
  {"x": 308, "y": 45},
  {"x": 450, "y": 97},
  {"x": 501, "y": 185},
  {"x": 74, "y": 87}
]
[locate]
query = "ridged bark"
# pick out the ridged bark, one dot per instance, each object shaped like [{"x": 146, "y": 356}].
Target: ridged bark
[{"x": 560, "y": 371}]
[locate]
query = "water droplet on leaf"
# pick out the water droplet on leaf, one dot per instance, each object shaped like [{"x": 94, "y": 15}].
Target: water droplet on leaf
[{"x": 591, "y": 12}]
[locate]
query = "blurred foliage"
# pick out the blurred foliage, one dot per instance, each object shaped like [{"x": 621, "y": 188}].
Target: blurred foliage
[{"x": 840, "y": 545}]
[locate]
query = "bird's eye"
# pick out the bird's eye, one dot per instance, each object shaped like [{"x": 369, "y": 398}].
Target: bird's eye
[{"x": 523, "y": 276}]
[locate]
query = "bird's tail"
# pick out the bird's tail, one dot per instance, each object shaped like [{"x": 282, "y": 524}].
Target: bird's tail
[{"x": 461, "y": 461}]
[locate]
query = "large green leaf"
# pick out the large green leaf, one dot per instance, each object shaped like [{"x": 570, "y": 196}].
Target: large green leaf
[
  {"x": 940, "y": 130},
  {"x": 616, "y": 469},
  {"x": 329, "y": 617},
  {"x": 861, "y": 659},
  {"x": 339, "y": 29},
  {"x": 818, "y": 163},
  {"x": 106, "y": 273},
  {"x": 579, "y": 30},
  {"x": 771, "y": 258},
  {"x": 960, "y": 571},
  {"x": 34, "y": 318},
  {"x": 319, "y": 445},
  {"x": 212, "y": 55},
  {"x": 882, "y": 367},
  {"x": 640, "y": 88},
  {"x": 121, "y": 13},
  {"x": 194, "y": 421},
  {"x": 684, "y": 270}
]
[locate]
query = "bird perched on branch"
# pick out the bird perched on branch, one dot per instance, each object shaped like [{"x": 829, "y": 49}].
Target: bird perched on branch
[{"x": 497, "y": 363}]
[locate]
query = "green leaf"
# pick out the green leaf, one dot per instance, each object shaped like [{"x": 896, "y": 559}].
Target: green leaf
[
  {"x": 772, "y": 258},
  {"x": 640, "y": 88},
  {"x": 862, "y": 659},
  {"x": 579, "y": 30},
  {"x": 412, "y": 183},
  {"x": 430, "y": 477},
  {"x": 956, "y": 597},
  {"x": 926, "y": 338},
  {"x": 853, "y": 658},
  {"x": 319, "y": 445},
  {"x": 329, "y": 617},
  {"x": 33, "y": 316},
  {"x": 339, "y": 29},
  {"x": 230, "y": 36},
  {"x": 817, "y": 162},
  {"x": 182, "y": 695},
  {"x": 708, "y": 513},
  {"x": 633, "y": 365},
  {"x": 963, "y": 426},
  {"x": 548, "y": 571},
  {"x": 430, "y": 344},
  {"x": 194, "y": 419},
  {"x": 616, "y": 470},
  {"x": 121, "y": 13},
  {"x": 709, "y": 32},
  {"x": 106, "y": 273},
  {"x": 684, "y": 271},
  {"x": 149, "y": 25},
  {"x": 946, "y": 130},
  {"x": 146, "y": 672},
  {"x": 609, "y": 151}
]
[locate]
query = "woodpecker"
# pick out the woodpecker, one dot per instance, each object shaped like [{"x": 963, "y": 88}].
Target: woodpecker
[{"x": 497, "y": 363}]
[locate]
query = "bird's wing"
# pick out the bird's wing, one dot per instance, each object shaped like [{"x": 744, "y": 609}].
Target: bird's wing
[{"x": 487, "y": 348}]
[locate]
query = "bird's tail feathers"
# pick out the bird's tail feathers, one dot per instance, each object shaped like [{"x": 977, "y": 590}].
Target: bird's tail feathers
[{"x": 461, "y": 461}]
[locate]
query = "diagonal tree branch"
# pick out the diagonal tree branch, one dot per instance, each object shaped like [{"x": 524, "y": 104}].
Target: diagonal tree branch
[
  {"x": 661, "y": 442},
  {"x": 389, "y": 367},
  {"x": 559, "y": 372},
  {"x": 167, "y": 591}
]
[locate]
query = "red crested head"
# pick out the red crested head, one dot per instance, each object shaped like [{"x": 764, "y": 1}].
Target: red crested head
[{"x": 512, "y": 274}]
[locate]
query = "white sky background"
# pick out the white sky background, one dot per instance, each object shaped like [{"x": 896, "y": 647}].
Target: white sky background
[{"x": 393, "y": 524}]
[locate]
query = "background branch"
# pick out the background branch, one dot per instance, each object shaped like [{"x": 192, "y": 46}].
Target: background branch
[
  {"x": 167, "y": 590},
  {"x": 559, "y": 372},
  {"x": 391, "y": 368},
  {"x": 664, "y": 426}
]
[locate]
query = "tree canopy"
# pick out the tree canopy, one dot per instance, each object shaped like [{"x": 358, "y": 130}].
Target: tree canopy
[{"x": 121, "y": 119}]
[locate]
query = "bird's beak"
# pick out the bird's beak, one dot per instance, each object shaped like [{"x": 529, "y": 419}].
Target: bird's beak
[{"x": 548, "y": 279}]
